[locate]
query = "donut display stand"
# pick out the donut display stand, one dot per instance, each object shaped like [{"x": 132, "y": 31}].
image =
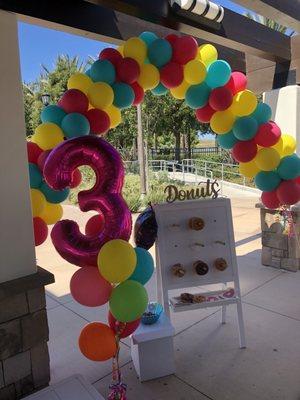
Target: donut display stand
[{"x": 206, "y": 256}]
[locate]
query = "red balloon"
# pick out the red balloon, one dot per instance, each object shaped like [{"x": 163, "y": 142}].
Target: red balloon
[
  {"x": 40, "y": 230},
  {"x": 297, "y": 180},
  {"x": 288, "y": 192},
  {"x": 172, "y": 38},
  {"x": 74, "y": 100},
  {"x": 42, "y": 159},
  {"x": 270, "y": 199},
  {"x": 171, "y": 75},
  {"x": 267, "y": 134},
  {"x": 95, "y": 225},
  {"x": 237, "y": 82},
  {"x": 99, "y": 121},
  {"x": 111, "y": 55},
  {"x": 128, "y": 70},
  {"x": 244, "y": 151},
  {"x": 220, "y": 99},
  {"x": 76, "y": 178},
  {"x": 205, "y": 113},
  {"x": 138, "y": 93},
  {"x": 124, "y": 329},
  {"x": 33, "y": 152},
  {"x": 184, "y": 49},
  {"x": 89, "y": 288}
]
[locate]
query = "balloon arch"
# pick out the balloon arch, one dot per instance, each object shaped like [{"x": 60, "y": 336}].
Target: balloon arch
[{"x": 70, "y": 136}]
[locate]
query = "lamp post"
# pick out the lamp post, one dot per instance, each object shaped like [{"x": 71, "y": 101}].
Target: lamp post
[{"x": 46, "y": 99}]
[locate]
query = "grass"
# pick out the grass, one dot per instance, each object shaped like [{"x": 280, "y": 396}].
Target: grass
[{"x": 131, "y": 188}]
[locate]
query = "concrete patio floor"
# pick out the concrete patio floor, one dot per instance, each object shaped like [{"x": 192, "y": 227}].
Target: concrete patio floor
[{"x": 209, "y": 363}]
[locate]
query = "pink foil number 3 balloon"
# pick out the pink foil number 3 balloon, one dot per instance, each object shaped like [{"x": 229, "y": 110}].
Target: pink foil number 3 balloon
[{"x": 105, "y": 197}]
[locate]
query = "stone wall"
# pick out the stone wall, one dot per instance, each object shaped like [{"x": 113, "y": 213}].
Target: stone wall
[
  {"x": 279, "y": 250},
  {"x": 24, "y": 357}
]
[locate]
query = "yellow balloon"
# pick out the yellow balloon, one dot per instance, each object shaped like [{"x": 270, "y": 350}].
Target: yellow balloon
[
  {"x": 47, "y": 135},
  {"x": 244, "y": 103},
  {"x": 121, "y": 50},
  {"x": 194, "y": 72},
  {"x": 52, "y": 213},
  {"x": 135, "y": 48},
  {"x": 180, "y": 91},
  {"x": 267, "y": 159},
  {"x": 79, "y": 81},
  {"x": 114, "y": 115},
  {"x": 101, "y": 95},
  {"x": 288, "y": 145},
  {"x": 222, "y": 121},
  {"x": 249, "y": 169},
  {"x": 117, "y": 260},
  {"x": 149, "y": 76},
  {"x": 207, "y": 53},
  {"x": 38, "y": 202}
]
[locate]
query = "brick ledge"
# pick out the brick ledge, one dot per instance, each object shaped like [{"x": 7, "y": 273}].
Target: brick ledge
[{"x": 41, "y": 278}]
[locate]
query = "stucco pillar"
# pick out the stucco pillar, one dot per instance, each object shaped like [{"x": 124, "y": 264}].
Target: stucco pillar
[
  {"x": 17, "y": 255},
  {"x": 285, "y": 104}
]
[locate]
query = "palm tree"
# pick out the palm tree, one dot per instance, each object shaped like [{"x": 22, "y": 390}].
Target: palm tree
[{"x": 270, "y": 23}]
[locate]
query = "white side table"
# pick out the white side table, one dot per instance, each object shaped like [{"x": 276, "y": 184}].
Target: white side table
[{"x": 152, "y": 349}]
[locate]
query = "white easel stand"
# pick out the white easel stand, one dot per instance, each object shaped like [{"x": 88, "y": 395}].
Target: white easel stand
[
  {"x": 217, "y": 240},
  {"x": 152, "y": 349}
]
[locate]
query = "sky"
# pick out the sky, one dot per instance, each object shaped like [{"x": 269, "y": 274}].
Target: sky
[{"x": 42, "y": 46}]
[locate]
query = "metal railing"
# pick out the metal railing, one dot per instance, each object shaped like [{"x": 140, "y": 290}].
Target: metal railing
[
  {"x": 222, "y": 171},
  {"x": 192, "y": 171}
]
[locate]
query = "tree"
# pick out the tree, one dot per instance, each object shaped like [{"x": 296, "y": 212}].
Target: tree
[
  {"x": 168, "y": 118},
  {"x": 53, "y": 82},
  {"x": 270, "y": 23}
]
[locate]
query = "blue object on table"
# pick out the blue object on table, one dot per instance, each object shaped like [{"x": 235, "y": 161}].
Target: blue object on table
[{"x": 152, "y": 313}]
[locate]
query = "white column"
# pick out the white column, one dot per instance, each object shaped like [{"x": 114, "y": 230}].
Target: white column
[
  {"x": 17, "y": 255},
  {"x": 285, "y": 104}
]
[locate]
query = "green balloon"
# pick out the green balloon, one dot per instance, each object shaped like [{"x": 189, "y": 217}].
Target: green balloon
[{"x": 128, "y": 301}]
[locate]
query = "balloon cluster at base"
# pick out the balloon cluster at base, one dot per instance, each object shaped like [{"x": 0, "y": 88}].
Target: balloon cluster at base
[{"x": 119, "y": 279}]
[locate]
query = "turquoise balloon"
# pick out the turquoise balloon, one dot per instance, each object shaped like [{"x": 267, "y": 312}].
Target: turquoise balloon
[
  {"x": 123, "y": 95},
  {"x": 128, "y": 301},
  {"x": 54, "y": 196},
  {"x": 267, "y": 181},
  {"x": 218, "y": 74},
  {"x": 289, "y": 167},
  {"x": 148, "y": 37},
  {"x": 262, "y": 113},
  {"x": 245, "y": 128},
  {"x": 35, "y": 176},
  {"x": 103, "y": 71},
  {"x": 227, "y": 141},
  {"x": 197, "y": 95},
  {"x": 144, "y": 267},
  {"x": 53, "y": 113},
  {"x": 75, "y": 125},
  {"x": 88, "y": 72},
  {"x": 159, "y": 52},
  {"x": 159, "y": 90}
]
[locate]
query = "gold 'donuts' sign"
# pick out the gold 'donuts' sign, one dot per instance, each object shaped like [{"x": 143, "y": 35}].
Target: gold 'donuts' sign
[{"x": 204, "y": 189}]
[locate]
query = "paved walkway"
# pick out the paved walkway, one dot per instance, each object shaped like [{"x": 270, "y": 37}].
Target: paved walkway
[{"x": 209, "y": 363}]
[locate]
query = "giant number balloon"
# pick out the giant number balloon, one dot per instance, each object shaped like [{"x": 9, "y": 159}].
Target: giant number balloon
[{"x": 105, "y": 197}]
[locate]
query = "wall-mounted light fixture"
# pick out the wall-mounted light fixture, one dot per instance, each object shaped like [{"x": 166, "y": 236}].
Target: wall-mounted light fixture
[{"x": 203, "y": 8}]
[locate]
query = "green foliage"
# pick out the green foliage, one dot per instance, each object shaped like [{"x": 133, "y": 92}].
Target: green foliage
[
  {"x": 131, "y": 192},
  {"x": 52, "y": 82},
  {"x": 270, "y": 23},
  {"x": 131, "y": 188}
]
